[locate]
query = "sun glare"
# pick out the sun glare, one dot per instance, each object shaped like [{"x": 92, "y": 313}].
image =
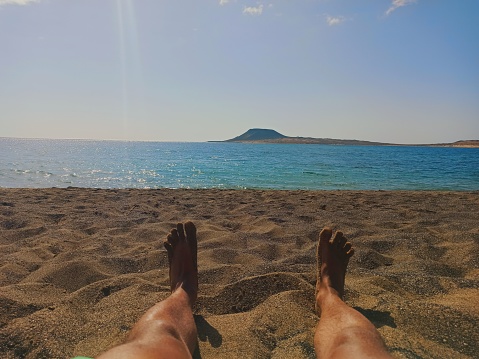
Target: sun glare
[{"x": 130, "y": 61}]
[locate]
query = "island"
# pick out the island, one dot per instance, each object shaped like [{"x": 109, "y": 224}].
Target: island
[{"x": 262, "y": 135}]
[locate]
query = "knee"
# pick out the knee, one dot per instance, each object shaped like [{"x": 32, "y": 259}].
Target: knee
[
  {"x": 154, "y": 328},
  {"x": 363, "y": 334},
  {"x": 359, "y": 342}
]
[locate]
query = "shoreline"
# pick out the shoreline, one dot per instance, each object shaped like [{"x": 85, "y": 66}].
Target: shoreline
[
  {"x": 78, "y": 267},
  {"x": 239, "y": 189}
]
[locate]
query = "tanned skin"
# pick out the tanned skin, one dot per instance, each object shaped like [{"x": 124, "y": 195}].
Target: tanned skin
[{"x": 167, "y": 330}]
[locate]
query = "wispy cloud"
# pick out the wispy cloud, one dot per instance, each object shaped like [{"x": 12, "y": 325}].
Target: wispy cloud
[
  {"x": 397, "y": 4},
  {"x": 17, "y": 2},
  {"x": 224, "y": 2},
  {"x": 250, "y": 10},
  {"x": 334, "y": 20}
]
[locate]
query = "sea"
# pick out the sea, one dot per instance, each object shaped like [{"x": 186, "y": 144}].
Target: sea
[{"x": 38, "y": 163}]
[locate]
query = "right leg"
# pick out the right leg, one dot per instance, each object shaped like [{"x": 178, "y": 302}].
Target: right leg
[
  {"x": 168, "y": 330},
  {"x": 342, "y": 332}
]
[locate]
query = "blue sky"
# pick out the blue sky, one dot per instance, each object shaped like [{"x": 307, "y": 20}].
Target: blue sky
[{"x": 398, "y": 71}]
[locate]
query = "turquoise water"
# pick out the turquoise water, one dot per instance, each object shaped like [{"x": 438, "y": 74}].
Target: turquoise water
[{"x": 116, "y": 164}]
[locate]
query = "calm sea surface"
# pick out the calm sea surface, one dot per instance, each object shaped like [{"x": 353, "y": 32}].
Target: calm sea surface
[{"x": 116, "y": 164}]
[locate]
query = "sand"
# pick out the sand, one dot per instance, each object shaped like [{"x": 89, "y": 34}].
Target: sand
[{"x": 78, "y": 267}]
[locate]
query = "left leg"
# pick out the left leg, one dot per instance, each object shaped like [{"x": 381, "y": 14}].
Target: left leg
[{"x": 168, "y": 330}]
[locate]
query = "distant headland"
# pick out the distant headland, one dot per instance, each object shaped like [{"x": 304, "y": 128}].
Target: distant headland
[{"x": 261, "y": 135}]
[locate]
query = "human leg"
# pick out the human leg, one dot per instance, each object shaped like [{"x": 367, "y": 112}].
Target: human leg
[
  {"x": 168, "y": 330},
  {"x": 342, "y": 332}
]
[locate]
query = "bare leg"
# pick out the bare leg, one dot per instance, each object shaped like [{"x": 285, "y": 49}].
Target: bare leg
[
  {"x": 168, "y": 330},
  {"x": 342, "y": 332}
]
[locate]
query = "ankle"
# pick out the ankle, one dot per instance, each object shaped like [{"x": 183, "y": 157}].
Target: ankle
[
  {"x": 325, "y": 294},
  {"x": 186, "y": 293}
]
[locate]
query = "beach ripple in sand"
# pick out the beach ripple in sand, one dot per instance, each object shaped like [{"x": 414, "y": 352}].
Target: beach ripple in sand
[{"x": 79, "y": 266}]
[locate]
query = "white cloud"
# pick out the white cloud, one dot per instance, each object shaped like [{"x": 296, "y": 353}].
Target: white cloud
[
  {"x": 335, "y": 20},
  {"x": 250, "y": 10},
  {"x": 17, "y": 2},
  {"x": 397, "y": 4},
  {"x": 224, "y": 2}
]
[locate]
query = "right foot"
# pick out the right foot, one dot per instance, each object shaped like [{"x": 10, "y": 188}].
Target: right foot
[
  {"x": 182, "y": 258},
  {"x": 332, "y": 260}
]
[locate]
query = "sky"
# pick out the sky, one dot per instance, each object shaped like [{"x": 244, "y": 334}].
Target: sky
[{"x": 400, "y": 71}]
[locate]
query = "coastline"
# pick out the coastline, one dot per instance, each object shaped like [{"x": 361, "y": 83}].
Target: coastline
[
  {"x": 337, "y": 142},
  {"x": 79, "y": 266},
  {"x": 262, "y": 135}
]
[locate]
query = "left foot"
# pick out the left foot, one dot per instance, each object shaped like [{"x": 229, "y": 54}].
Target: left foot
[{"x": 182, "y": 258}]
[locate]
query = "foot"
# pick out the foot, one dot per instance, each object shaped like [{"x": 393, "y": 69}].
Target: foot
[
  {"x": 182, "y": 258},
  {"x": 332, "y": 260}
]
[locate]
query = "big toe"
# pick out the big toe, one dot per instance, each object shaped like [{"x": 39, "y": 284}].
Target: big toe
[
  {"x": 325, "y": 234},
  {"x": 190, "y": 231},
  {"x": 323, "y": 245}
]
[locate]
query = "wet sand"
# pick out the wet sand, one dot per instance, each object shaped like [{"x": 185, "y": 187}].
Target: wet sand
[{"x": 79, "y": 266}]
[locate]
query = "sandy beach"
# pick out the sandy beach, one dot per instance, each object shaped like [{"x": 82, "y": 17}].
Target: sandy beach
[{"x": 78, "y": 267}]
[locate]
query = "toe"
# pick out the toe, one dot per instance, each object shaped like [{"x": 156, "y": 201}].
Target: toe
[
  {"x": 190, "y": 231},
  {"x": 169, "y": 249},
  {"x": 181, "y": 231},
  {"x": 323, "y": 247},
  {"x": 323, "y": 243},
  {"x": 339, "y": 241},
  {"x": 347, "y": 247},
  {"x": 173, "y": 237},
  {"x": 325, "y": 234}
]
